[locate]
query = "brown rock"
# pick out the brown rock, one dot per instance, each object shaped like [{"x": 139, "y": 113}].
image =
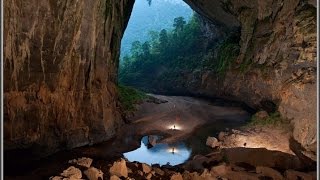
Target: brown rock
[
  {"x": 85, "y": 162},
  {"x": 146, "y": 168},
  {"x": 140, "y": 173},
  {"x": 206, "y": 175},
  {"x": 72, "y": 172},
  {"x": 149, "y": 176},
  {"x": 295, "y": 175},
  {"x": 220, "y": 170},
  {"x": 191, "y": 176},
  {"x": 158, "y": 171},
  {"x": 241, "y": 175},
  {"x": 212, "y": 142},
  {"x": 176, "y": 176},
  {"x": 119, "y": 168},
  {"x": 49, "y": 75},
  {"x": 222, "y": 135},
  {"x": 114, "y": 177},
  {"x": 266, "y": 171},
  {"x": 94, "y": 174},
  {"x": 56, "y": 178},
  {"x": 152, "y": 140}
]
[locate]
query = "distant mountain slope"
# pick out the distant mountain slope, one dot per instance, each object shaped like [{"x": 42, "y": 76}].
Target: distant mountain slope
[{"x": 145, "y": 18}]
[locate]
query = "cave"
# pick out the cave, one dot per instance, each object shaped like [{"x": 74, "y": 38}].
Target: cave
[{"x": 61, "y": 96}]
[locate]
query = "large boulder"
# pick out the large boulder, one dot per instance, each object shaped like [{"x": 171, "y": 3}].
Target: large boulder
[
  {"x": 146, "y": 168},
  {"x": 212, "y": 142},
  {"x": 266, "y": 171},
  {"x": 176, "y": 176},
  {"x": 119, "y": 168},
  {"x": 85, "y": 162},
  {"x": 94, "y": 174},
  {"x": 291, "y": 174},
  {"x": 72, "y": 172}
]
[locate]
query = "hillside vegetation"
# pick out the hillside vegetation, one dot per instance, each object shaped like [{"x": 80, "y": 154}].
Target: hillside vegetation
[{"x": 170, "y": 56}]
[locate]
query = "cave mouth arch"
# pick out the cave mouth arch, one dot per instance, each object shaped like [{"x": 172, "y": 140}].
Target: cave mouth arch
[{"x": 171, "y": 47}]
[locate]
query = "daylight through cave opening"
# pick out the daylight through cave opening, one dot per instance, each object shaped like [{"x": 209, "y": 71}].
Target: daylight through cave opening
[{"x": 168, "y": 48}]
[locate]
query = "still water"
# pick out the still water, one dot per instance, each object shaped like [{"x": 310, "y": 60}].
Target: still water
[{"x": 161, "y": 153}]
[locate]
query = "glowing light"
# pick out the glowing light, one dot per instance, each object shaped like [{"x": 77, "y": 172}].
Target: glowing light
[
  {"x": 172, "y": 150},
  {"x": 174, "y": 127}
]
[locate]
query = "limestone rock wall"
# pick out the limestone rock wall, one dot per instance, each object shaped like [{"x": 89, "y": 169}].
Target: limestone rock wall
[
  {"x": 60, "y": 69},
  {"x": 277, "y": 59}
]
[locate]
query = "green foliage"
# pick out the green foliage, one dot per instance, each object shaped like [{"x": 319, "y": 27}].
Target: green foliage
[
  {"x": 227, "y": 53},
  {"x": 148, "y": 16},
  {"x": 169, "y": 56},
  {"x": 166, "y": 54},
  {"x": 129, "y": 96},
  {"x": 274, "y": 119}
]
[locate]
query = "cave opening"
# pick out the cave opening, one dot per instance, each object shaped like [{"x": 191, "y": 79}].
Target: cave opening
[{"x": 168, "y": 48}]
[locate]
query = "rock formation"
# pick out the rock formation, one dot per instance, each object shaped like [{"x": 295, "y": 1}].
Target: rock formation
[
  {"x": 60, "y": 69},
  {"x": 277, "y": 60}
]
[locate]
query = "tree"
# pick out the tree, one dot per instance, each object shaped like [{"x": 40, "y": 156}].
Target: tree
[
  {"x": 146, "y": 49},
  {"x": 136, "y": 49},
  {"x": 179, "y": 23},
  {"x": 163, "y": 38}
]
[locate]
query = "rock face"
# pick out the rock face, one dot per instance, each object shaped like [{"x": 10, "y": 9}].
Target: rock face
[
  {"x": 60, "y": 69},
  {"x": 277, "y": 60}
]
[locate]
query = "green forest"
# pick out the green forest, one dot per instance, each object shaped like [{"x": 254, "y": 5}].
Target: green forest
[{"x": 162, "y": 62}]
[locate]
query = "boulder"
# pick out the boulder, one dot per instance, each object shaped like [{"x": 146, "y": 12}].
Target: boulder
[
  {"x": 266, "y": 171},
  {"x": 241, "y": 175},
  {"x": 149, "y": 176},
  {"x": 85, "y": 162},
  {"x": 119, "y": 168},
  {"x": 140, "y": 173},
  {"x": 291, "y": 174},
  {"x": 176, "y": 176},
  {"x": 114, "y": 177},
  {"x": 207, "y": 175},
  {"x": 94, "y": 174},
  {"x": 262, "y": 115},
  {"x": 212, "y": 142},
  {"x": 72, "y": 173},
  {"x": 158, "y": 171},
  {"x": 220, "y": 170},
  {"x": 152, "y": 140},
  {"x": 56, "y": 178},
  {"x": 222, "y": 135},
  {"x": 146, "y": 168},
  {"x": 192, "y": 176}
]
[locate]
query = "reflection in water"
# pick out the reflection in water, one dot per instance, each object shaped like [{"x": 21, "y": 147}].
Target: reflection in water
[{"x": 159, "y": 154}]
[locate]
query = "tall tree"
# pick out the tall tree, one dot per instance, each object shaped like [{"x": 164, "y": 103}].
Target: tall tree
[
  {"x": 163, "y": 39},
  {"x": 179, "y": 23}
]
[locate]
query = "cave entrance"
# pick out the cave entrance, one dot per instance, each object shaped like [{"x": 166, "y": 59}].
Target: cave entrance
[{"x": 166, "y": 48}]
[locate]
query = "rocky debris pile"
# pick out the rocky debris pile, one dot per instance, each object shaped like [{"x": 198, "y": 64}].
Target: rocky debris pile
[
  {"x": 210, "y": 167},
  {"x": 82, "y": 169}
]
